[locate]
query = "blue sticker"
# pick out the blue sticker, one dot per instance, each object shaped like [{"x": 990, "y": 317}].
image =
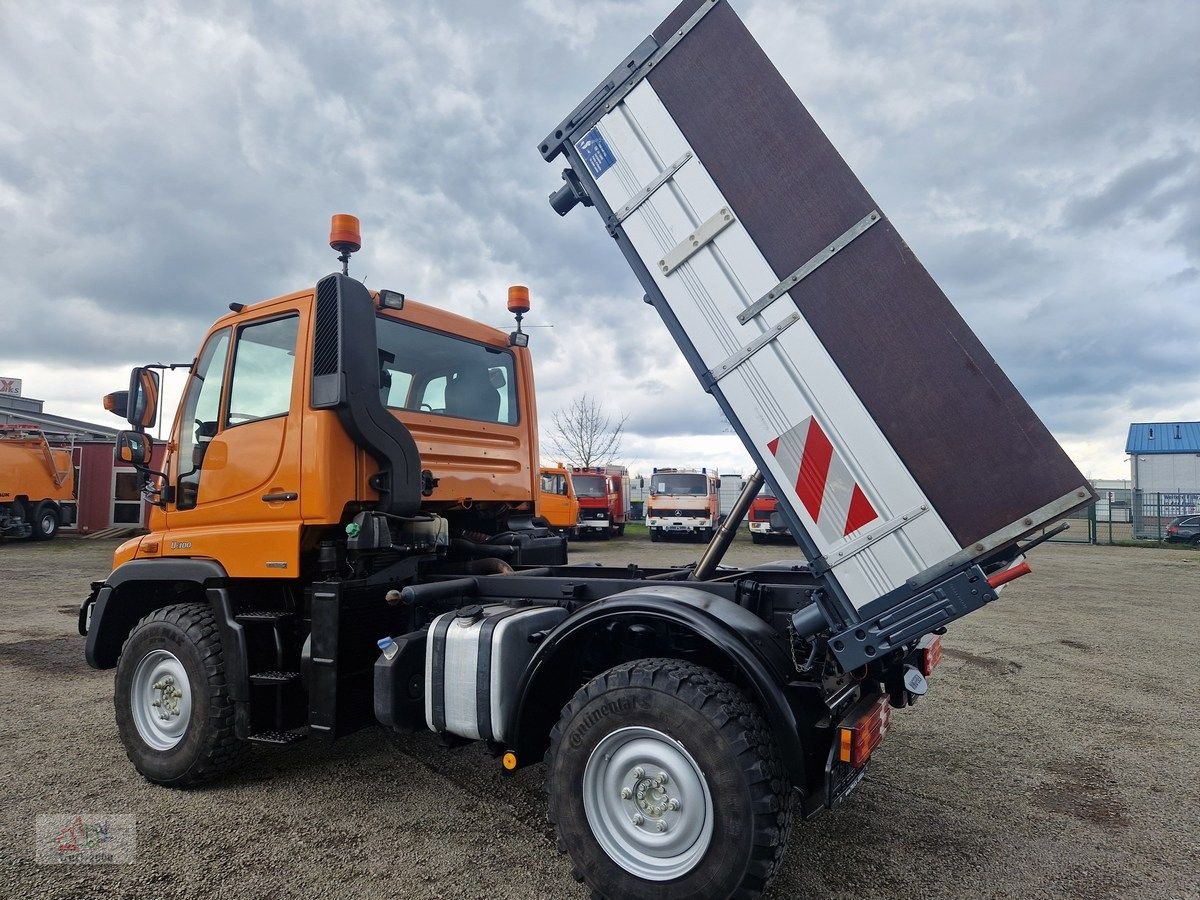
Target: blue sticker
[{"x": 596, "y": 153}]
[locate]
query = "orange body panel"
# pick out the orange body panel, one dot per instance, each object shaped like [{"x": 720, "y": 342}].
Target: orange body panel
[
  {"x": 307, "y": 453},
  {"x": 561, "y": 510},
  {"x": 29, "y": 468}
]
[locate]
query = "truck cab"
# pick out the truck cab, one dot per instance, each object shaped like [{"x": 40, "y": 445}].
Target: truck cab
[
  {"x": 256, "y": 475},
  {"x": 557, "y": 502},
  {"x": 683, "y": 503},
  {"x": 764, "y": 520},
  {"x": 603, "y": 493}
]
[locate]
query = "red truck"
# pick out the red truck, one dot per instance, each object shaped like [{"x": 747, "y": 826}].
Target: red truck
[
  {"x": 765, "y": 520},
  {"x": 603, "y": 493}
]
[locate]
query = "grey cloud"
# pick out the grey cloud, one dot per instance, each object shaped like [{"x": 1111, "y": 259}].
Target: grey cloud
[{"x": 1141, "y": 190}]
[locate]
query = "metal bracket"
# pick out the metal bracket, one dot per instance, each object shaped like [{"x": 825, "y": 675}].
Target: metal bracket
[
  {"x": 705, "y": 8},
  {"x": 823, "y": 564},
  {"x": 808, "y": 268},
  {"x": 716, "y": 373},
  {"x": 645, "y": 193},
  {"x": 697, "y": 240},
  {"x": 884, "y": 632}
]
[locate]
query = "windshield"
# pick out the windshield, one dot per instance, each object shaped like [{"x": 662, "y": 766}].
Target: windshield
[
  {"x": 589, "y": 485},
  {"x": 766, "y": 491},
  {"x": 425, "y": 371},
  {"x": 693, "y": 484}
]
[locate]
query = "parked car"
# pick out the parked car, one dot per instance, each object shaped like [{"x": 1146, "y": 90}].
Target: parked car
[{"x": 1184, "y": 530}]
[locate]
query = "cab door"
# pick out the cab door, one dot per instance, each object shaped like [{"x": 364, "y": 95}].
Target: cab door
[{"x": 237, "y": 465}]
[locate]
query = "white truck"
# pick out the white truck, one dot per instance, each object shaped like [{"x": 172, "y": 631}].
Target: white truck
[{"x": 683, "y": 503}]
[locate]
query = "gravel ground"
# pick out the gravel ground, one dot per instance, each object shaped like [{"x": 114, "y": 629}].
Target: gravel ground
[{"x": 1056, "y": 756}]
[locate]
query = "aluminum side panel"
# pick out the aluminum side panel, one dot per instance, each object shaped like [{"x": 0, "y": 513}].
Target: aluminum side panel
[{"x": 782, "y": 385}]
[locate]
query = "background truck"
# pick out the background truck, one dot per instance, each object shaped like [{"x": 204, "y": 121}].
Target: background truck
[
  {"x": 764, "y": 520},
  {"x": 603, "y": 493},
  {"x": 683, "y": 503},
  {"x": 37, "y": 483},
  {"x": 393, "y": 572},
  {"x": 556, "y": 502}
]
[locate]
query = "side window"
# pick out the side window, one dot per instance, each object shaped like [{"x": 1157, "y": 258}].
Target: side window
[
  {"x": 434, "y": 396},
  {"x": 262, "y": 371},
  {"x": 199, "y": 417},
  {"x": 395, "y": 386}
]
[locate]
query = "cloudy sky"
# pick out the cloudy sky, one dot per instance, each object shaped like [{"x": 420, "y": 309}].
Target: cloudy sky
[{"x": 160, "y": 160}]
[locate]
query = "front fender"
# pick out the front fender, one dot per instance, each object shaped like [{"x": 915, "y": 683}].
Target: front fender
[
  {"x": 118, "y": 608},
  {"x": 741, "y": 639}
]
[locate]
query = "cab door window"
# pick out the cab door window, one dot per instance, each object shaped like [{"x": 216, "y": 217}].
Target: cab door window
[
  {"x": 554, "y": 484},
  {"x": 200, "y": 415},
  {"x": 263, "y": 363}
]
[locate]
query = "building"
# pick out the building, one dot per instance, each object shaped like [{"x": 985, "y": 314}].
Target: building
[
  {"x": 1164, "y": 462},
  {"x": 106, "y": 494}
]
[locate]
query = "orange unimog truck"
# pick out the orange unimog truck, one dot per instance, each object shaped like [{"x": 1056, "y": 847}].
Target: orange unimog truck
[
  {"x": 557, "y": 503},
  {"x": 37, "y": 484},
  {"x": 344, "y": 532}
]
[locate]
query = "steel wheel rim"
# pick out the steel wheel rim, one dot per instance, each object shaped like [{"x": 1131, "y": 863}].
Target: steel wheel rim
[
  {"x": 160, "y": 699},
  {"x": 48, "y": 523},
  {"x": 630, "y": 810}
]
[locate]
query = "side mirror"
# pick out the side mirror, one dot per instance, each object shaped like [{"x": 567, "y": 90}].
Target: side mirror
[
  {"x": 718, "y": 484},
  {"x": 117, "y": 403},
  {"x": 142, "y": 405},
  {"x": 134, "y": 448}
]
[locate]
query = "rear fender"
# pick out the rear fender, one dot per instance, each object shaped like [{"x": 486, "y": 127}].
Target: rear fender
[{"x": 743, "y": 644}]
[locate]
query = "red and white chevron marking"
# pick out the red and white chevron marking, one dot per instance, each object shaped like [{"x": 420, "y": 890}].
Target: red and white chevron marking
[{"x": 823, "y": 481}]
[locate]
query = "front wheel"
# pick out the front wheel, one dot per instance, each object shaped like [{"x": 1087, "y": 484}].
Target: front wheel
[
  {"x": 663, "y": 780},
  {"x": 173, "y": 708},
  {"x": 757, "y": 538}
]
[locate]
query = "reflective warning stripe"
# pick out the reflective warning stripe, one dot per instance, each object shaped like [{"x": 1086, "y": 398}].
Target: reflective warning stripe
[{"x": 823, "y": 482}]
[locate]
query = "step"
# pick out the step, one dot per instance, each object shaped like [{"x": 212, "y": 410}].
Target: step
[
  {"x": 274, "y": 676},
  {"x": 262, "y": 615},
  {"x": 279, "y": 738}
]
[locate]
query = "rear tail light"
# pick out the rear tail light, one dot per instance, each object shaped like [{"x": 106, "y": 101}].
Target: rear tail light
[
  {"x": 929, "y": 651},
  {"x": 864, "y": 729},
  {"x": 1172, "y": 529}
]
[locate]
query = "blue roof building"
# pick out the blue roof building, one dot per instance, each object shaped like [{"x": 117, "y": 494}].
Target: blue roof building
[
  {"x": 1164, "y": 458},
  {"x": 1163, "y": 437}
]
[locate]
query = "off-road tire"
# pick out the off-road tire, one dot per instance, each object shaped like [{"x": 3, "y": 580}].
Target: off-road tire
[
  {"x": 44, "y": 521},
  {"x": 209, "y": 747},
  {"x": 729, "y": 739}
]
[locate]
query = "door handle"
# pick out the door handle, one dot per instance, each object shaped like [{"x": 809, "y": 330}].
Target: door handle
[{"x": 281, "y": 497}]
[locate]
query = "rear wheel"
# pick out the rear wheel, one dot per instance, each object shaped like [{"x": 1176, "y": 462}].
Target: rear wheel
[
  {"x": 173, "y": 708},
  {"x": 1196, "y": 541},
  {"x": 44, "y": 521},
  {"x": 663, "y": 780}
]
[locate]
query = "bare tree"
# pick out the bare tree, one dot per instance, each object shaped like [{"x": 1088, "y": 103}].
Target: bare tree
[{"x": 584, "y": 434}]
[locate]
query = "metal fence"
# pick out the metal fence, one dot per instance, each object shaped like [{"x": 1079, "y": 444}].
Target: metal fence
[{"x": 1128, "y": 517}]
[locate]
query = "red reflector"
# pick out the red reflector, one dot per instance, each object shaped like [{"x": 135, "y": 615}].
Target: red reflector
[
  {"x": 1004, "y": 576},
  {"x": 864, "y": 729},
  {"x": 930, "y": 648}
]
